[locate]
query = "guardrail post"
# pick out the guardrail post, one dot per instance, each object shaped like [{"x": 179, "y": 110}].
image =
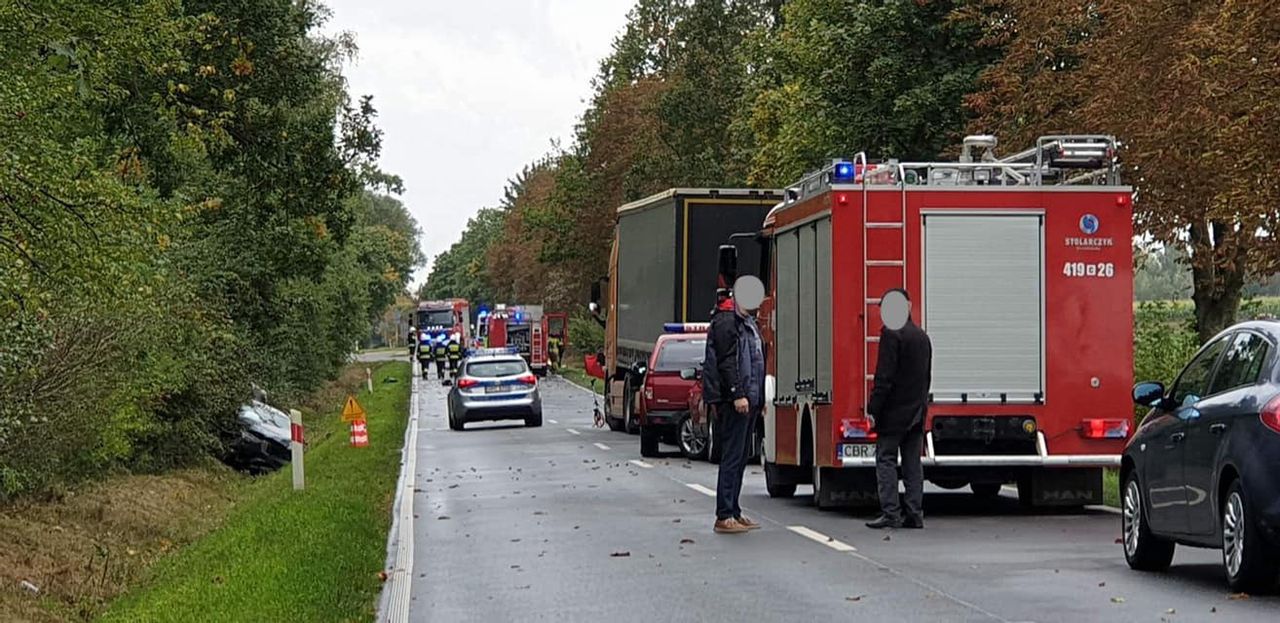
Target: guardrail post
[{"x": 368, "y": 379}]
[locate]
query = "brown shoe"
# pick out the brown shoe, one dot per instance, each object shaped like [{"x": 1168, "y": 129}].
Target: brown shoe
[
  {"x": 729, "y": 526},
  {"x": 747, "y": 523}
]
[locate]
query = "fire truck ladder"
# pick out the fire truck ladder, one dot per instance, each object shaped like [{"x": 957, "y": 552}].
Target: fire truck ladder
[
  {"x": 537, "y": 345},
  {"x": 894, "y": 261}
]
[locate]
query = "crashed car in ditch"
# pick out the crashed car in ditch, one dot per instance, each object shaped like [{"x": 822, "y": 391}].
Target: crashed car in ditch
[{"x": 263, "y": 442}]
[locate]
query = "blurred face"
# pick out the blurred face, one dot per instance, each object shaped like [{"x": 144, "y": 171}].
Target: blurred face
[{"x": 895, "y": 309}]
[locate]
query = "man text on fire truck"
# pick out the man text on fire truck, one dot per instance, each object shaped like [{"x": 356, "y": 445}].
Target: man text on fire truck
[
  {"x": 897, "y": 411},
  {"x": 733, "y": 381}
]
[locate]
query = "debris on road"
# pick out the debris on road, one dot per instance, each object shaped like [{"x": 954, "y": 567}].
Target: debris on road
[
  {"x": 30, "y": 588},
  {"x": 620, "y": 555},
  {"x": 855, "y": 598},
  {"x": 1238, "y": 596},
  {"x": 1117, "y": 600}
]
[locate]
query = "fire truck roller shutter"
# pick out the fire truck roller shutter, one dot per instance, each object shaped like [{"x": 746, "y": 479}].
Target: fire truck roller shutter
[
  {"x": 808, "y": 307},
  {"x": 823, "y": 311},
  {"x": 787, "y": 256},
  {"x": 984, "y": 305}
]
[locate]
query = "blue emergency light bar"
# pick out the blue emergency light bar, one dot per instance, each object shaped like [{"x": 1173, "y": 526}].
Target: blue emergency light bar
[
  {"x": 843, "y": 172},
  {"x": 500, "y": 350},
  {"x": 686, "y": 327}
]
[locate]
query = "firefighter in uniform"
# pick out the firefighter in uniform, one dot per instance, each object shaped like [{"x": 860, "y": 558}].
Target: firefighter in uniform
[
  {"x": 442, "y": 357},
  {"x": 454, "y": 351},
  {"x": 413, "y": 340},
  {"x": 553, "y": 352}
]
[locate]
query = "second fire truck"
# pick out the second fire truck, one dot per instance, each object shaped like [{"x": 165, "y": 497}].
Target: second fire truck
[{"x": 1020, "y": 271}]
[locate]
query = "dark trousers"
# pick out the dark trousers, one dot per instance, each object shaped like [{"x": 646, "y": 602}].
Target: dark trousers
[
  {"x": 733, "y": 429},
  {"x": 440, "y": 364},
  {"x": 887, "y": 449}
]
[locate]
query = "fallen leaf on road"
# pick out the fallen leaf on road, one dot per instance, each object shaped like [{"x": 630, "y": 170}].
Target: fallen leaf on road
[
  {"x": 676, "y": 520},
  {"x": 686, "y": 541},
  {"x": 442, "y": 517},
  {"x": 887, "y": 538},
  {"x": 620, "y": 555},
  {"x": 538, "y": 513},
  {"x": 857, "y": 598},
  {"x": 1117, "y": 600},
  {"x": 1119, "y": 541},
  {"x": 515, "y": 540},
  {"x": 525, "y": 587},
  {"x": 382, "y": 576},
  {"x": 453, "y": 486},
  {"x": 1102, "y": 584},
  {"x": 1238, "y": 596},
  {"x": 1213, "y": 610},
  {"x": 1171, "y": 611}
]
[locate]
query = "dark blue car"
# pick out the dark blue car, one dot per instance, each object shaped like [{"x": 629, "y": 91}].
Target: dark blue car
[{"x": 1204, "y": 468}]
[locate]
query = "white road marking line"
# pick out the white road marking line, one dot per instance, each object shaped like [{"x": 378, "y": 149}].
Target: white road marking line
[
  {"x": 639, "y": 463},
  {"x": 553, "y": 421},
  {"x": 601, "y": 446},
  {"x": 700, "y": 489},
  {"x": 572, "y": 431},
  {"x": 819, "y": 537}
]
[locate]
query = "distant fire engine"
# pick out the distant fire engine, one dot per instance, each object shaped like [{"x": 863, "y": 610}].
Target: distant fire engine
[{"x": 1019, "y": 270}]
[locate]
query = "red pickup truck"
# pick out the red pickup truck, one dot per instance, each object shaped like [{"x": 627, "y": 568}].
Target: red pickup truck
[{"x": 664, "y": 398}]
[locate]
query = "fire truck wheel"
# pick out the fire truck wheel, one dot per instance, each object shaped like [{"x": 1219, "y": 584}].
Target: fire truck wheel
[
  {"x": 1143, "y": 550},
  {"x": 820, "y": 493},
  {"x": 985, "y": 490},
  {"x": 649, "y": 442},
  {"x": 780, "y": 490}
]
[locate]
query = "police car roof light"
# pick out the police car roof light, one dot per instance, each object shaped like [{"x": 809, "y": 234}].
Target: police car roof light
[{"x": 686, "y": 327}]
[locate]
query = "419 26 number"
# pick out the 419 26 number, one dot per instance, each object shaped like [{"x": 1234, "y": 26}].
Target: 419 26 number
[{"x": 1103, "y": 270}]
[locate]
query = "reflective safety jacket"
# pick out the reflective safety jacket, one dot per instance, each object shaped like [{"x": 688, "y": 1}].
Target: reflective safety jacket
[
  {"x": 454, "y": 351},
  {"x": 442, "y": 352}
]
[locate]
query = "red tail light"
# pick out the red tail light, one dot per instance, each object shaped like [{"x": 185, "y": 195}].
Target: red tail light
[
  {"x": 1104, "y": 429},
  {"x": 528, "y": 378},
  {"x": 859, "y": 429},
  {"x": 1271, "y": 414},
  {"x": 464, "y": 383}
]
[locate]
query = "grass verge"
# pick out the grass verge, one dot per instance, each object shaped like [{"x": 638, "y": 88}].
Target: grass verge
[
  {"x": 1111, "y": 488},
  {"x": 282, "y": 555},
  {"x": 576, "y": 375}
]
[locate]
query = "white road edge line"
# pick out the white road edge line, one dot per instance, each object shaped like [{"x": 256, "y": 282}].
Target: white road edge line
[
  {"x": 639, "y": 463},
  {"x": 572, "y": 431},
  {"x": 819, "y": 537},
  {"x": 601, "y": 446},
  {"x": 393, "y": 607},
  {"x": 553, "y": 421},
  {"x": 700, "y": 489}
]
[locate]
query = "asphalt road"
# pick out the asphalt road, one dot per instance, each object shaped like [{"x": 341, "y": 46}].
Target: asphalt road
[{"x": 566, "y": 523}]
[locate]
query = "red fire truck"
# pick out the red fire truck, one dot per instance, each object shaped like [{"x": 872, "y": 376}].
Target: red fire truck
[
  {"x": 443, "y": 318},
  {"x": 1020, "y": 271},
  {"x": 524, "y": 327}
]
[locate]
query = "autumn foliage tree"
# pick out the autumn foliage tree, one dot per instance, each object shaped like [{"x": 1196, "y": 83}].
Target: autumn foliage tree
[{"x": 1193, "y": 91}]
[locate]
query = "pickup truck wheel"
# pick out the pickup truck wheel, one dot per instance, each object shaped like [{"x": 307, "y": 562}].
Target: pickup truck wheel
[
  {"x": 713, "y": 448},
  {"x": 693, "y": 445},
  {"x": 649, "y": 442}
]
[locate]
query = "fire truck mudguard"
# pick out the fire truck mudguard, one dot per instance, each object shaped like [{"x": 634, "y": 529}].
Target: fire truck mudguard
[{"x": 1020, "y": 272}]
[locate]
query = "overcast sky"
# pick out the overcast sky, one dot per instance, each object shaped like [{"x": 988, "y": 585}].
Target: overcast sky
[{"x": 468, "y": 92}]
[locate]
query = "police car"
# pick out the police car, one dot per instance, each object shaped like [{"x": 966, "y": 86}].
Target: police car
[{"x": 494, "y": 384}]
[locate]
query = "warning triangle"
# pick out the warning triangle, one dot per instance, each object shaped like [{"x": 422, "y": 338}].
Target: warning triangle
[{"x": 352, "y": 411}]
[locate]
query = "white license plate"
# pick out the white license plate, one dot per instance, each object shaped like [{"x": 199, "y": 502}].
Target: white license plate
[
  {"x": 857, "y": 450},
  {"x": 497, "y": 389}
]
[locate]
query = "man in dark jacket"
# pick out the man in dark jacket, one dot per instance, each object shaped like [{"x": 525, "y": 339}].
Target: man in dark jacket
[
  {"x": 897, "y": 410},
  {"x": 733, "y": 383}
]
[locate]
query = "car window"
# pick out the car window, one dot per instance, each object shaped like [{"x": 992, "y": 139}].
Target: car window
[
  {"x": 491, "y": 369},
  {"x": 1242, "y": 364},
  {"x": 677, "y": 355},
  {"x": 1193, "y": 384}
]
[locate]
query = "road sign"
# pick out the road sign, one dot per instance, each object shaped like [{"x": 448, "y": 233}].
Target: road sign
[
  {"x": 359, "y": 434},
  {"x": 296, "y": 443},
  {"x": 352, "y": 411}
]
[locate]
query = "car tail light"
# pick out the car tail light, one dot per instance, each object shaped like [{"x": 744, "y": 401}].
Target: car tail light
[
  {"x": 1104, "y": 429},
  {"x": 1271, "y": 414},
  {"x": 527, "y": 378},
  {"x": 648, "y": 390},
  {"x": 857, "y": 429},
  {"x": 465, "y": 382}
]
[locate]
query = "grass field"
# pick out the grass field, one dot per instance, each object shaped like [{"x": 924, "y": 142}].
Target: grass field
[
  {"x": 576, "y": 375},
  {"x": 282, "y": 555}
]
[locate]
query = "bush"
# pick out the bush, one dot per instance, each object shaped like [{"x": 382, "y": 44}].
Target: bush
[{"x": 585, "y": 334}]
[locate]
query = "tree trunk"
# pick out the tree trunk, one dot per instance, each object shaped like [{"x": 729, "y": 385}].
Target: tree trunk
[{"x": 1217, "y": 276}]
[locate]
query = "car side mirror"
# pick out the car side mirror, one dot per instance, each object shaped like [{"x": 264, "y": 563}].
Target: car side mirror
[
  {"x": 689, "y": 374},
  {"x": 639, "y": 368},
  {"x": 1148, "y": 394}
]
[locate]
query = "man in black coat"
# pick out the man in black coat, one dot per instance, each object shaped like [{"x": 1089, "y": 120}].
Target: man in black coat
[{"x": 897, "y": 408}]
